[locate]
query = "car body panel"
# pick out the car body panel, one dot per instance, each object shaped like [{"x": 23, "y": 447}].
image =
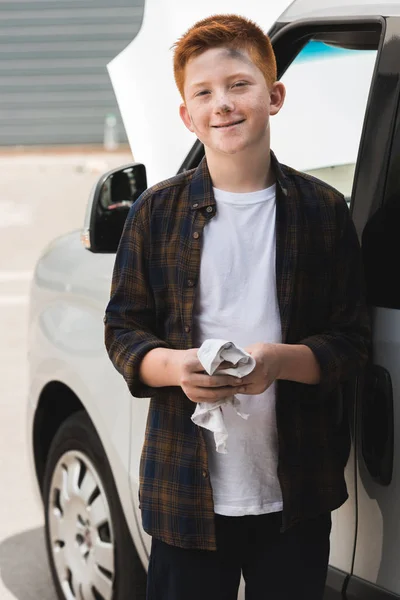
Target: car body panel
[
  {"x": 66, "y": 344},
  {"x": 330, "y": 9}
]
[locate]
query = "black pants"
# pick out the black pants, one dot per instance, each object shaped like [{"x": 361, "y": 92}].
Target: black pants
[{"x": 275, "y": 566}]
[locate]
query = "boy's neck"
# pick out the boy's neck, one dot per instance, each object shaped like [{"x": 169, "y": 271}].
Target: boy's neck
[{"x": 242, "y": 172}]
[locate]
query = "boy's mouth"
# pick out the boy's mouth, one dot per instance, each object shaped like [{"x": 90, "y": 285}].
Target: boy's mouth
[{"x": 227, "y": 125}]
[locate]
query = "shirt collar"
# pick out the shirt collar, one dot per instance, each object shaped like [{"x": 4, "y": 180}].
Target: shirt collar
[
  {"x": 201, "y": 192},
  {"x": 201, "y": 189},
  {"x": 281, "y": 178}
]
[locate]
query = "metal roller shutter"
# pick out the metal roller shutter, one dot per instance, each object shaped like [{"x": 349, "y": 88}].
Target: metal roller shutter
[{"x": 54, "y": 85}]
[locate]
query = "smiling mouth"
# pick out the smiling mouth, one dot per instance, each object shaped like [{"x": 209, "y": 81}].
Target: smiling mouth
[{"x": 227, "y": 125}]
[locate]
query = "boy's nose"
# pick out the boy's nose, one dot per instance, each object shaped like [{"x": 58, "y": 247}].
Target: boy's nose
[{"x": 223, "y": 105}]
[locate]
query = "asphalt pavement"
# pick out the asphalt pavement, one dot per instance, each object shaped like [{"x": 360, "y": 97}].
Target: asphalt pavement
[{"x": 42, "y": 195}]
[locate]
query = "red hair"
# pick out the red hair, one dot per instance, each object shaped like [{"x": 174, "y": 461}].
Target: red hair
[{"x": 233, "y": 31}]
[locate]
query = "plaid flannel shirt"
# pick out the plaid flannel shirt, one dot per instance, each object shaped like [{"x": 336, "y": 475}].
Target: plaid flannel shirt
[{"x": 320, "y": 296}]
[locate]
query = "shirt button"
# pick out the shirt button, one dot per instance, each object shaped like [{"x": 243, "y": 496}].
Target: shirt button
[
  {"x": 209, "y": 209},
  {"x": 204, "y": 473},
  {"x": 195, "y": 205},
  {"x": 190, "y": 282},
  {"x": 196, "y": 235},
  {"x": 187, "y": 328}
]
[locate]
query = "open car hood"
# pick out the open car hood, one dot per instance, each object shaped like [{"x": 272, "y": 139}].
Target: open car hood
[
  {"x": 142, "y": 78},
  {"x": 308, "y": 136}
]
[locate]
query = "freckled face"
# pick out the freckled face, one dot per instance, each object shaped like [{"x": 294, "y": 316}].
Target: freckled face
[{"x": 227, "y": 101}]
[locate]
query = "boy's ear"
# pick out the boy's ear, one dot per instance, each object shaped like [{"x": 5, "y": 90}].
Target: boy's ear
[
  {"x": 277, "y": 97},
  {"x": 185, "y": 116}
]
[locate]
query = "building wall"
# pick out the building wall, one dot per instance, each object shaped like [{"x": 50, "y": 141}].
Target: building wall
[{"x": 54, "y": 85}]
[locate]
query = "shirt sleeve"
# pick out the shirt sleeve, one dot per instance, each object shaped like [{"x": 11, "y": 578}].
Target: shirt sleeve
[
  {"x": 343, "y": 348},
  {"x": 130, "y": 319}
]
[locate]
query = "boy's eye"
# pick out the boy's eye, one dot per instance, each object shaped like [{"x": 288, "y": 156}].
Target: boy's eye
[
  {"x": 239, "y": 84},
  {"x": 202, "y": 93}
]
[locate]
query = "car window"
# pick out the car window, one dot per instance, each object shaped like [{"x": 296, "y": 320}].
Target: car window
[{"x": 319, "y": 127}]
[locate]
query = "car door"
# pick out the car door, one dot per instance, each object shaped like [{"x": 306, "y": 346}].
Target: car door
[
  {"x": 376, "y": 574},
  {"x": 330, "y": 86}
]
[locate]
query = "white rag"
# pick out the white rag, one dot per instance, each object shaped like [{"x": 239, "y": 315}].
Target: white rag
[{"x": 209, "y": 415}]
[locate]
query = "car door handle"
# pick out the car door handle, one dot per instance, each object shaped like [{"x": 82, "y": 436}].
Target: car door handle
[{"x": 377, "y": 429}]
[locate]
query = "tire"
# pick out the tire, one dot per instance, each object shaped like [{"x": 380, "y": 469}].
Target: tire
[{"x": 90, "y": 549}]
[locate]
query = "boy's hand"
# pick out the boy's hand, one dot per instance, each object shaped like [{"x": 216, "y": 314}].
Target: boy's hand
[
  {"x": 201, "y": 387},
  {"x": 266, "y": 371}
]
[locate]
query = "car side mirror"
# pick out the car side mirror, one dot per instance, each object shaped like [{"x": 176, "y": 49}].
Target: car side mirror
[{"x": 108, "y": 207}]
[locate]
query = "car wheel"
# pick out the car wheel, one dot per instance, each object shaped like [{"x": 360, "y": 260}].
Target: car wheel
[{"x": 90, "y": 549}]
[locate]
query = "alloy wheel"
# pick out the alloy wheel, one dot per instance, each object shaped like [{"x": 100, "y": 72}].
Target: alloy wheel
[{"x": 80, "y": 530}]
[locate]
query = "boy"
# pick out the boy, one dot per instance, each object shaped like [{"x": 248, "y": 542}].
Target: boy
[{"x": 248, "y": 250}]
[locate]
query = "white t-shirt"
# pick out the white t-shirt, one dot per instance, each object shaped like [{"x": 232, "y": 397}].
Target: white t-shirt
[{"x": 237, "y": 301}]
